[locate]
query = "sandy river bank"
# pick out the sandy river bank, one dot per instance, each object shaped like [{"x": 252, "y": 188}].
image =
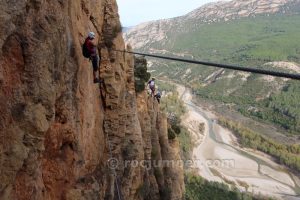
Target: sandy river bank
[{"x": 218, "y": 157}]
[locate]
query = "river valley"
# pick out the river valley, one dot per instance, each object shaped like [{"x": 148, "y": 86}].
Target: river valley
[{"x": 218, "y": 157}]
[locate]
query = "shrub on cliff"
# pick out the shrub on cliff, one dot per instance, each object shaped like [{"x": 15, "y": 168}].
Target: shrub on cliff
[
  {"x": 171, "y": 134},
  {"x": 174, "y": 130},
  {"x": 141, "y": 76}
]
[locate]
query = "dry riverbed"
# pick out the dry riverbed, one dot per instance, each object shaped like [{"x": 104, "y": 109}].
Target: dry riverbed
[{"x": 218, "y": 157}]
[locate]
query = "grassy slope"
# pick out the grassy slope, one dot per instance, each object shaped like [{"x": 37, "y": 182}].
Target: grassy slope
[
  {"x": 257, "y": 39},
  {"x": 250, "y": 42}
]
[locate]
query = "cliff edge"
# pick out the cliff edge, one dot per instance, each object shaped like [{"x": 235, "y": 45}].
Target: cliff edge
[{"x": 57, "y": 128}]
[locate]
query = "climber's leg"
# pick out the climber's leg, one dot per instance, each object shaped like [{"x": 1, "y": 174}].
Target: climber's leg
[
  {"x": 152, "y": 91},
  {"x": 95, "y": 61}
]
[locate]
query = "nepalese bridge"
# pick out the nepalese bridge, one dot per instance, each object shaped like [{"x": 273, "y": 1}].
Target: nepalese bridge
[{"x": 224, "y": 66}]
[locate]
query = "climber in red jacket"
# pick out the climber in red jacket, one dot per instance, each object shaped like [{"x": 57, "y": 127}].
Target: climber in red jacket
[{"x": 89, "y": 50}]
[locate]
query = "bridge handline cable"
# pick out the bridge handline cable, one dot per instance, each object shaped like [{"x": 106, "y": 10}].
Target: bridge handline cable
[{"x": 219, "y": 65}]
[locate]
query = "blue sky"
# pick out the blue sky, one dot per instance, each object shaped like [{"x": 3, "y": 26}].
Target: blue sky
[{"x": 133, "y": 12}]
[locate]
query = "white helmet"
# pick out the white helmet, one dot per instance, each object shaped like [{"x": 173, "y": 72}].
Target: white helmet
[{"x": 91, "y": 35}]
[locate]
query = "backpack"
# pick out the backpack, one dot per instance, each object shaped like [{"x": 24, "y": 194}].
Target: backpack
[{"x": 85, "y": 51}]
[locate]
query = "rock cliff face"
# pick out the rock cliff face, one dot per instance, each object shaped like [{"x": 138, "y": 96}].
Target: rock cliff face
[
  {"x": 165, "y": 177},
  {"x": 57, "y": 128}
]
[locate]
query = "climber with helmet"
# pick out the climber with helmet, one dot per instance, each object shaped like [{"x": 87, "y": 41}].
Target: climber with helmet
[
  {"x": 89, "y": 50},
  {"x": 151, "y": 84}
]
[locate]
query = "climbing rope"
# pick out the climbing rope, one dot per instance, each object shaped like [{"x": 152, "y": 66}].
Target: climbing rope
[
  {"x": 225, "y": 66},
  {"x": 112, "y": 168}
]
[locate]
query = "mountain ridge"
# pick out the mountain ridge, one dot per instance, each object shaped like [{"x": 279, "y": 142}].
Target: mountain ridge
[{"x": 154, "y": 31}]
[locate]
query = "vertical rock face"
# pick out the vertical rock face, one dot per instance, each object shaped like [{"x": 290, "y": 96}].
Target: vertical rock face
[
  {"x": 164, "y": 177},
  {"x": 55, "y": 123}
]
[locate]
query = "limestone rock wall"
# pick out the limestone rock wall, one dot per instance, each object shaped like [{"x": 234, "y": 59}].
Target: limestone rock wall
[
  {"x": 165, "y": 177},
  {"x": 55, "y": 123}
]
